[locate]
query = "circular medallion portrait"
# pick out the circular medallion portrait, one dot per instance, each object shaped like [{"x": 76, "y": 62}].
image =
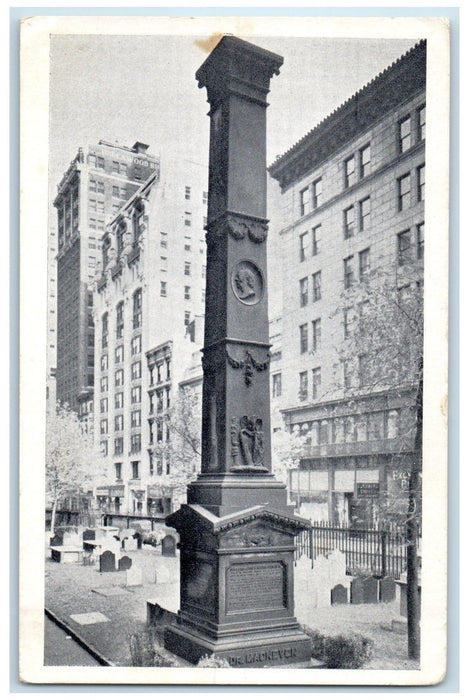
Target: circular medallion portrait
[{"x": 247, "y": 282}]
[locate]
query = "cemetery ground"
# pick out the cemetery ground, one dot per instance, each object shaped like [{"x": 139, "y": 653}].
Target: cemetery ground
[{"x": 101, "y": 612}]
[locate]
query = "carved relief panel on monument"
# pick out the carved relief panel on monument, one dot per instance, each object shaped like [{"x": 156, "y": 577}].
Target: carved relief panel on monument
[{"x": 247, "y": 444}]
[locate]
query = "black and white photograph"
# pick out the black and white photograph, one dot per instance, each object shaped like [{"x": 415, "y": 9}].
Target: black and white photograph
[{"x": 233, "y": 350}]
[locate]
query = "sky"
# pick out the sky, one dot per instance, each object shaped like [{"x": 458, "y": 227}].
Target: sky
[{"x": 143, "y": 88}]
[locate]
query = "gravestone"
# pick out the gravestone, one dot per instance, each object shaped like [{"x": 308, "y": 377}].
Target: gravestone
[
  {"x": 370, "y": 589},
  {"x": 134, "y": 576},
  {"x": 130, "y": 544},
  {"x": 339, "y": 595},
  {"x": 57, "y": 540},
  {"x": 162, "y": 574},
  {"x": 138, "y": 537},
  {"x": 387, "y": 589},
  {"x": 237, "y": 533},
  {"x": 89, "y": 535},
  {"x": 357, "y": 594},
  {"x": 107, "y": 562},
  {"x": 168, "y": 546},
  {"x": 125, "y": 563}
]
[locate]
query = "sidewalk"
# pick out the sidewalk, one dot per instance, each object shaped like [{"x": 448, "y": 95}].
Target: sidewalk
[{"x": 100, "y": 611}]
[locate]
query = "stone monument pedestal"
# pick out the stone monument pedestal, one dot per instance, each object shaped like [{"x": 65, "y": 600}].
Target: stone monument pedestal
[{"x": 237, "y": 587}]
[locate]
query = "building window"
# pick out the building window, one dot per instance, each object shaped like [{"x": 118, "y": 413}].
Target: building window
[
  {"x": 119, "y": 354},
  {"x": 103, "y": 405},
  {"x": 316, "y": 279},
  {"x": 104, "y": 384},
  {"x": 135, "y": 443},
  {"x": 364, "y": 213},
  {"x": 119, "y": 377},
  {"x": 120, "y": 320},
  {"x": 421, "y": 123},
  {"x": 137, "y": 309},
  {"x": 348, "y": 272},
  {"x": 316, "y": 326},
  {"x": 365, "y": 160},
  {"x": 316, "y": 240},
  {"x": 317, "y": 193},
  {"x": 136, "y": 394},
  {"x": 347, "y": 375},
  {"x": 187, "y": 293},
  {"x": 303, "y": 391},
  {"x": 364, "y": 263},
  {"x": 316, "y": 372},
  {"x": 119, "y": 400},
  {"x": 363, "y": 315},
  {"x": 363, "y": 370},
  {"x": 118, "y": 469},
  {"x": 119, "y": 422},
  {"x": 115, "y": 191},
  {"x": 277, "y": 384},
  {"x": 304, "y": 291},
  {"x": 303, "y": 246},
  {"x": 103, "y": 447},
  {"x": 118, "y": 445},
  {"x": 404, "y": 134},
  {"x": 115, "y": 167},
  {"x": 104, "y": 363},
  {"x": 163, "y": 288},
  {"x": 349, "y": 171},
  {"x": 187, "y": 268},
  {"x": 187, "y": 218},
  {"x": 136, "y": 419},
  {"x": 90, "y": 361},
  {"x": 420, "y": 241},
  {"x": 421, "y": 183},
  {"x": 349, "y": 221},
  {"x": 404, "y": 250},
  {"x": 163, "y": 239},
  {"x": 304, "y": 338},
  {"x": 136, "y": 345},
  {"x": 348, "y": 315},
  {"x": 305, "y": 201},
  {"x": 403, "y": 192},
  {"x": 104, "y": 334},
  {"x": 187, "y": 192},
  {"x": 135, "y": 470},
  {"x": 103, "y": 426},
  {"x": 136, "y": 370},
  {"x": 187, "y": 318},
  {"x": 187, "y": 243}
]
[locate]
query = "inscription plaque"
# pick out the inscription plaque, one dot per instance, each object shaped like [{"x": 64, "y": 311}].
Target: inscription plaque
[{"x": 255, "y": 587}]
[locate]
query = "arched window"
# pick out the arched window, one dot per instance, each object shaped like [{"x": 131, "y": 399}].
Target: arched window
[{"x": 120, "y": 233}]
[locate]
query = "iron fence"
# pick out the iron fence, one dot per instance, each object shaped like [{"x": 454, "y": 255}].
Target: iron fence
[{"x": 378, "y": 551}]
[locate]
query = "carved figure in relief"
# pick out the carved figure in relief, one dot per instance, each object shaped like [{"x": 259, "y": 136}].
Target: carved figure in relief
[{"x": 247, "y": 441}]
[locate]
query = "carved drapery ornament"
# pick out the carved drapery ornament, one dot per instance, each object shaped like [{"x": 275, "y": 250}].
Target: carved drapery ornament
[{"x": 249, "y": 364}]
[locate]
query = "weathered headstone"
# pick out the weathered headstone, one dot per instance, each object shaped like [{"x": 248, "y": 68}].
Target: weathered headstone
[
  {"x": 168, "y": 546},
  {"x": 237, "y": 533},
  {"x": 134, "y": 576},
  {"x": 125, "y": 563},
  {"x": 130, "y": 544},
  {"x": 370, "y": 589},
  {"x": 387, "y": 589},
  {"x": 357, "y": 595},
  {"x": 339, "y": 595},
  {"x": 57, "y": 540},
  {"x": 107, "y": 561},
  {"x": 138, "y": 537},
  {"x": 162, "y": 574}
]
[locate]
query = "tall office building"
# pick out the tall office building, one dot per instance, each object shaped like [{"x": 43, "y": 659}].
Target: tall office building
[
  {"x": 352, "y": 194},
  {"x": 95, "y": 185},
  {"x": 148, "y": 313}
]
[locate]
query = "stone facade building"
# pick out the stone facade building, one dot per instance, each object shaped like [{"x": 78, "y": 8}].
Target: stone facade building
[
  {"x": 97, "y": 182},
  {"x": 352, "y": 193},
  {"x": 148, "y": 311}
]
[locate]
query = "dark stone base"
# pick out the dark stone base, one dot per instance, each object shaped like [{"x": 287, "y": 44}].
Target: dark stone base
[
  {"x": 226, "y": 494},
  {"x": 241, "y": 651}
]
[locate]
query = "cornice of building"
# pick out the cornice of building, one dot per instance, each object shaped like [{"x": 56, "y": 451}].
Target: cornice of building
[{"x": 395, "y": 85}]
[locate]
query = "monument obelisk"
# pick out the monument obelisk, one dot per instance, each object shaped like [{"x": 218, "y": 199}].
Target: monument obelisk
[{"x": 237, "y": 531}]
